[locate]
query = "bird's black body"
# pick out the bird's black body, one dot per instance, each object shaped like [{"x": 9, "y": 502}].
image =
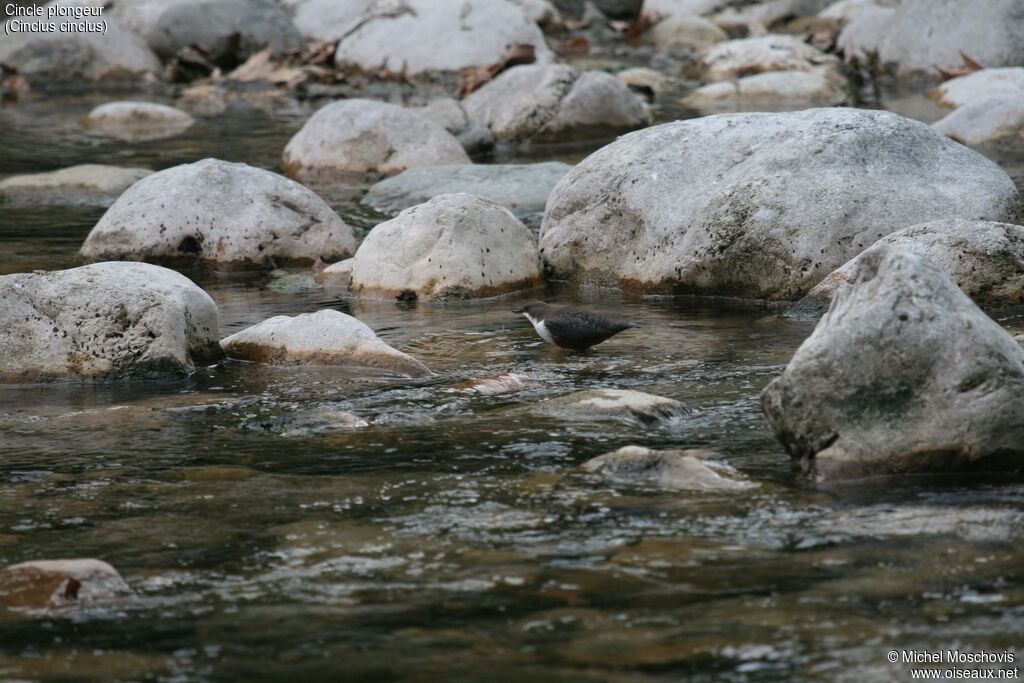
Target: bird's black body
[{"x": 571, "y": 328}]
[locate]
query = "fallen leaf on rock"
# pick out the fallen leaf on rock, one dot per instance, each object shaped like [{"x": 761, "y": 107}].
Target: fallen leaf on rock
[
  {"x": 970, "y": 66},
  {"x": 515, "y": 54}
]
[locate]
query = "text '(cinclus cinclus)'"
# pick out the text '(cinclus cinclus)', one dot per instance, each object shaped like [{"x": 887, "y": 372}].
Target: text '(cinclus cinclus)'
[{"x": 571, "y": 328}]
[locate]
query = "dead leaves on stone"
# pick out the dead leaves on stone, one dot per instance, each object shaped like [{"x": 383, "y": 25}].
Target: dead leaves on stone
[
  {"x": 970, "y": 65},
  {"x": 515, "y": 54}
]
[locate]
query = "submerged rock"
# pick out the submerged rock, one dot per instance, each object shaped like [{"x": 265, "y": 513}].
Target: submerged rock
[
  {"x": 759, "y": 205},
  {"x": 919, "y": 35},
  {"x": 801, "y": 87},
  {"x": 107, "y": 321},
  {"x": 980, "y": 85},
  {"x": 137, "y": 120},
  {"x": 507, "y": 383},
  {"x": 360, "y": 136},
  {"x": 449, "y": 114},
  {"x": 45, "y": 586},
  {"x": 747, "y": 56},
  {"x": 555, "y": 102},
  {"x": 413, "y": 36},
  {"x": 76, "y": 58},
  {"x": 327, "y": 337},
  {"x": 456, "y": 246},
  {"x": 603, "y": 404},
  {"x": 521, "y": 188},
  {"x": 999, "y": 117},
  {"x": 231, "y": 30},
  {"x": 692, "y": 469},
  {"x": 84, "y": 185},
  {"x": 984, "y": 259},
  {"x": 220, "y": 215},
  {"x": 903, "y": 374}
]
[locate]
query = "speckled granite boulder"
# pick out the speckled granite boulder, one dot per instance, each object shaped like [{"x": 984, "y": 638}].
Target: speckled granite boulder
[
  {"x": 903, "y": 374},
  {"x": 220, "y": 215},
  {"x": 455, "y": 246},
  {"x": 106, "y": 321}
]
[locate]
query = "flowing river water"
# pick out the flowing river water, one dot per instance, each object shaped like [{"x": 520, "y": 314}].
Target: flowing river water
[{"x": 453, "y": 539}]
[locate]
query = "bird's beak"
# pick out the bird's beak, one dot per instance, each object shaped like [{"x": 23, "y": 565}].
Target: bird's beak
[{"x": 518, "y": 310}]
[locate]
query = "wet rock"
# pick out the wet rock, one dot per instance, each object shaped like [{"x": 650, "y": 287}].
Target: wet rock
[
  {"x": 48, "y": 585},
  {"x": 106, "y": 321},
  {"x": 555, "y": 102},
  {"x": 360, "y": 136},
  {"x": 936, "y": 385},
  {"x": 860, "y": 37},
  {"x": 137, "y": 120},
  {"x": 232, "y": 30},
  {"x": 337, "y": 274},
  {"x": 999, "y": 117},
  {"x": 759, "y": 205},
  {"x": 327, "y": 337},
  {"x": 623, "y": 10},
  {"x": 682, "y": 31},
  {"x": 521, "y": 188},
  {"x": 76, "y": 58},
  {"x": 744, "y": 57},
  {"x": 456, "y": 246},
  {"x": 915, "y": 36},
  {"x": 449, "y": 114},
  {"x": 644, "y": 80},
  {"x": 603, "y": 404},
  {"x": 691, "y": 470},
  {"x": 507, "y": 383},
  {"x": 84, "y": 185},
  {"x": 984, "y": 259},
  {"x": 801, "y": 87},
  {"x": 219, "y": 215},
  {"x": 980, "y": 85},
  {"x": 320, "y": 421},
  {"x": 413, "y": 36},
  {"x": 655, "y": 10}
]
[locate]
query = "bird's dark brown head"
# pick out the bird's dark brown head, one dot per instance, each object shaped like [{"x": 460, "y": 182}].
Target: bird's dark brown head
[{"x": 535, "y": 309}]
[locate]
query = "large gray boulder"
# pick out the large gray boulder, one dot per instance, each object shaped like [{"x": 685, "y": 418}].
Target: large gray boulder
[
  {"x": 327, "y": 337},
  {"x": 919, "y": 35},
  {"x": 360, "y": 136},
  {"x": 999, "y": 117},
  {"x": 75, "y": 58},
  {"x": 232, "y": 30},
  {"x": 759, "y": 205},
  {"x": 904, "y": 374},
  {"x": 455, "y": 246},
  {"x": 555, "y": 102},
  {"x": 219, "y": 215},
  {"x": 985, "y": 259},
  {"x": 83, "y": 185},
  {"x": 413, "y": 36},
  {"x": 106, "y": 321},
  {"x": 521, "y": 188}
]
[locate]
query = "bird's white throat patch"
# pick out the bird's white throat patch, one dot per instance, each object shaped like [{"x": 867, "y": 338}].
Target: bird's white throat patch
[{"x": 542, "y": 329}]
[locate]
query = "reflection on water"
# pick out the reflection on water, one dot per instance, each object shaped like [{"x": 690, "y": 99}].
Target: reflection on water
[{"x": 452, "y": 538}]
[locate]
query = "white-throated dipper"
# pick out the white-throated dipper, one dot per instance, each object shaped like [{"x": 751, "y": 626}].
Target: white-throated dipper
[{"x": 571, "y": 328}]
